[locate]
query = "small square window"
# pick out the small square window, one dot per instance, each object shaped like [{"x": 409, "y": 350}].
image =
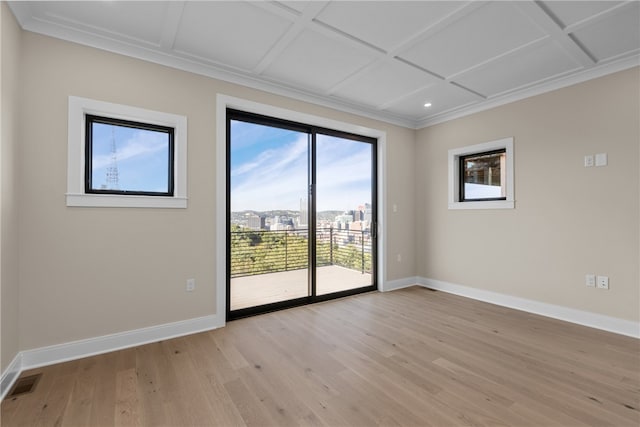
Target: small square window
[
  {"x": 128, "y": 158},
  {"x": 483, "y": 176}
]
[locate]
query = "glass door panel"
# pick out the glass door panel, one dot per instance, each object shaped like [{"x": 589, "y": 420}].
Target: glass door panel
[
  {"x": 301, "y": 214},
  {"x": 268, "y": 246},
  {"x": 344, "y": 211}
]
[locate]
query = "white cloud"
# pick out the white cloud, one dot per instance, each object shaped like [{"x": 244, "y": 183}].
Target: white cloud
[
  {"x": 277, "y": 178},
  {"x": 140, "y": 144}
]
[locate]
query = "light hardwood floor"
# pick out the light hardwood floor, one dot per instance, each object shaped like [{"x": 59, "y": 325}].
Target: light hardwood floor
[{"x": 411, "y": 357}]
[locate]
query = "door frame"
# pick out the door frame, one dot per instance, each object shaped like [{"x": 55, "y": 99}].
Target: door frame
[
  {"x": 223, "y": 102},
  {"x": 313, "y": 132}
]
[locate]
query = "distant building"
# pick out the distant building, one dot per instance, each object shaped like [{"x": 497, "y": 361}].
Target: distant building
[
  {"x": 368, "y": 213},
  {"x": 364, "y": 213},
  {"x": 281, "y": 227},
  {"x": 303, "y": 221},
  {"x": 356, "y": 226},
  {"x": 256, "y": 222},
  {"x": 343, "y": 221},
  {"x": 281, "y": 223}
]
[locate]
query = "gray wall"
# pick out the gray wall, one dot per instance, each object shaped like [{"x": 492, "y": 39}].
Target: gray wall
[
  {"x": 9, "y": 88},
  {"x": 569, "y": 220}
]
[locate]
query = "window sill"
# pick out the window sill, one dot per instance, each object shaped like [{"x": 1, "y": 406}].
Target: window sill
[
  {"x": 122, "y": 201},
  {"x": 490, "y": 204}
]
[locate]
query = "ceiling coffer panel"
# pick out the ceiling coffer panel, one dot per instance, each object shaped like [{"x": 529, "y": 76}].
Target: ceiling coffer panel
[
  {"x": 443, "y": 97},
  {"x": 376, "y": 22},
  {"x": 296, "y": 5},
  {"x": 614, "y": 35},
  {"x": 316, "y": 62},
  {"x": 386, "y": 81},
  {"x": 541, "y": 62},
  {"x": 235, "y": 34},
  {"x": 571, "y": 12},
  {"x": 137, "y": 21},
  {"x": 477, "y": 37}
]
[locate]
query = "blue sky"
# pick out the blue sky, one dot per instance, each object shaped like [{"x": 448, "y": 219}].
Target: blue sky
[
  {"x": 269, "y": 169},
  {"x": 142, "y": 157}
]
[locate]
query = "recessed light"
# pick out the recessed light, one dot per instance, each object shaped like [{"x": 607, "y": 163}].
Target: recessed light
[{"x": 427, "y": 105}]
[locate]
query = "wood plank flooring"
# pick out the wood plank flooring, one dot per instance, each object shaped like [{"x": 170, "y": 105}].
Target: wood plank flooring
[{"x": 411, "y": 357}]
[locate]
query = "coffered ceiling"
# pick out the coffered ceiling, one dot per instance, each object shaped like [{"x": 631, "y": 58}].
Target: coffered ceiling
[{"x": 381, "y": 59}]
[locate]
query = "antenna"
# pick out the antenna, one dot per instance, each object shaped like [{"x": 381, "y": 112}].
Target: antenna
[{"x": 112, "y": 170}]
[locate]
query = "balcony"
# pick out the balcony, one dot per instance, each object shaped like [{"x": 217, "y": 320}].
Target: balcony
[{"x": 272, "y": 266}]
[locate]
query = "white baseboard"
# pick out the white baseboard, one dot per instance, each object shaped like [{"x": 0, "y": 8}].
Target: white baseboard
[
  {"x": 90, "y": 347},
  {"x": 585, "y": 318},
  {"x": 10, "y": 375},
  {"x": 58, "y": 353},
  {"x": 392, "y": 285}
]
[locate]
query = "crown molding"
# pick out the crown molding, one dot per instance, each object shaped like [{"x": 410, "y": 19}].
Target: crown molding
[
  {"x": 202, "y": 67},
  {"x": 155, "y": 54},
  {"x": 530, "y": 91}
]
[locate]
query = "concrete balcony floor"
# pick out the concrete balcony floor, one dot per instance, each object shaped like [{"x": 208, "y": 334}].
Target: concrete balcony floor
[{"x": 261, "y": 289}]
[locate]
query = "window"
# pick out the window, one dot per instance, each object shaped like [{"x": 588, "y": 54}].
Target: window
[
  {"x": 481, "y": 176},
  {"x": 122, "y": 156}
]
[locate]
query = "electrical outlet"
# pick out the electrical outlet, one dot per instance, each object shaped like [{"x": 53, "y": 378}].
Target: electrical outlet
[
  {"x": 191, "y": 285},
  {"x": 603, "y": 282},
  {"x": 399, "y": 258},
  {"x": 588, "y": 161},
  {"x": 590, "y": 280}
]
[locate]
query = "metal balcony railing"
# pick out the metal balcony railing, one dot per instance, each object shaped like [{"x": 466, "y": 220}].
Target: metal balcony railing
[{"x": 261, "y": 251}]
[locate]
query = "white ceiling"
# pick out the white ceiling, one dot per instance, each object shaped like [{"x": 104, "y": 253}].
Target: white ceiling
[{"x": 381, "y": 59}]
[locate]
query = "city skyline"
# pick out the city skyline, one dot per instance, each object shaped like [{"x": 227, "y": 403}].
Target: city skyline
[{"x": 358, "y": 219}]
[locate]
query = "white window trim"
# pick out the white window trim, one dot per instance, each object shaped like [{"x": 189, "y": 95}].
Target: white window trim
[
  {"x": 76, "y": 196},
  {"x": 454, "y": 175}
]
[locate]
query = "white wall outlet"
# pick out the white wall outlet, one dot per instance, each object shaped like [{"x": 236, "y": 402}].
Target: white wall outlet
[
  {"x": 588, "y": 161},
  {"x": 395, "y": 207},
  {"x": 399, "y": 258},
  {"x": 191, "y": 285},
  {"x": 603, "y": 282},
  {"x": 590, "y": 280},
  {"x": 601, "y": 159}
]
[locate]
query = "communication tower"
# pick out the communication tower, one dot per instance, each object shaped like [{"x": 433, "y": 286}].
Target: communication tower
[{"x": 112, "y": 169}]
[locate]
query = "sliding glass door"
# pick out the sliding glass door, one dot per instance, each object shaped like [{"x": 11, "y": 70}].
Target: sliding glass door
[
  {"x": 344, "y": 203},
  {"x": 300, "y": 214}
]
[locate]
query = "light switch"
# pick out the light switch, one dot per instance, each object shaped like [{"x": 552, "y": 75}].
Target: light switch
[
  {"x": 601, "y": 159},
  {"x": 588, "y": 161}
]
